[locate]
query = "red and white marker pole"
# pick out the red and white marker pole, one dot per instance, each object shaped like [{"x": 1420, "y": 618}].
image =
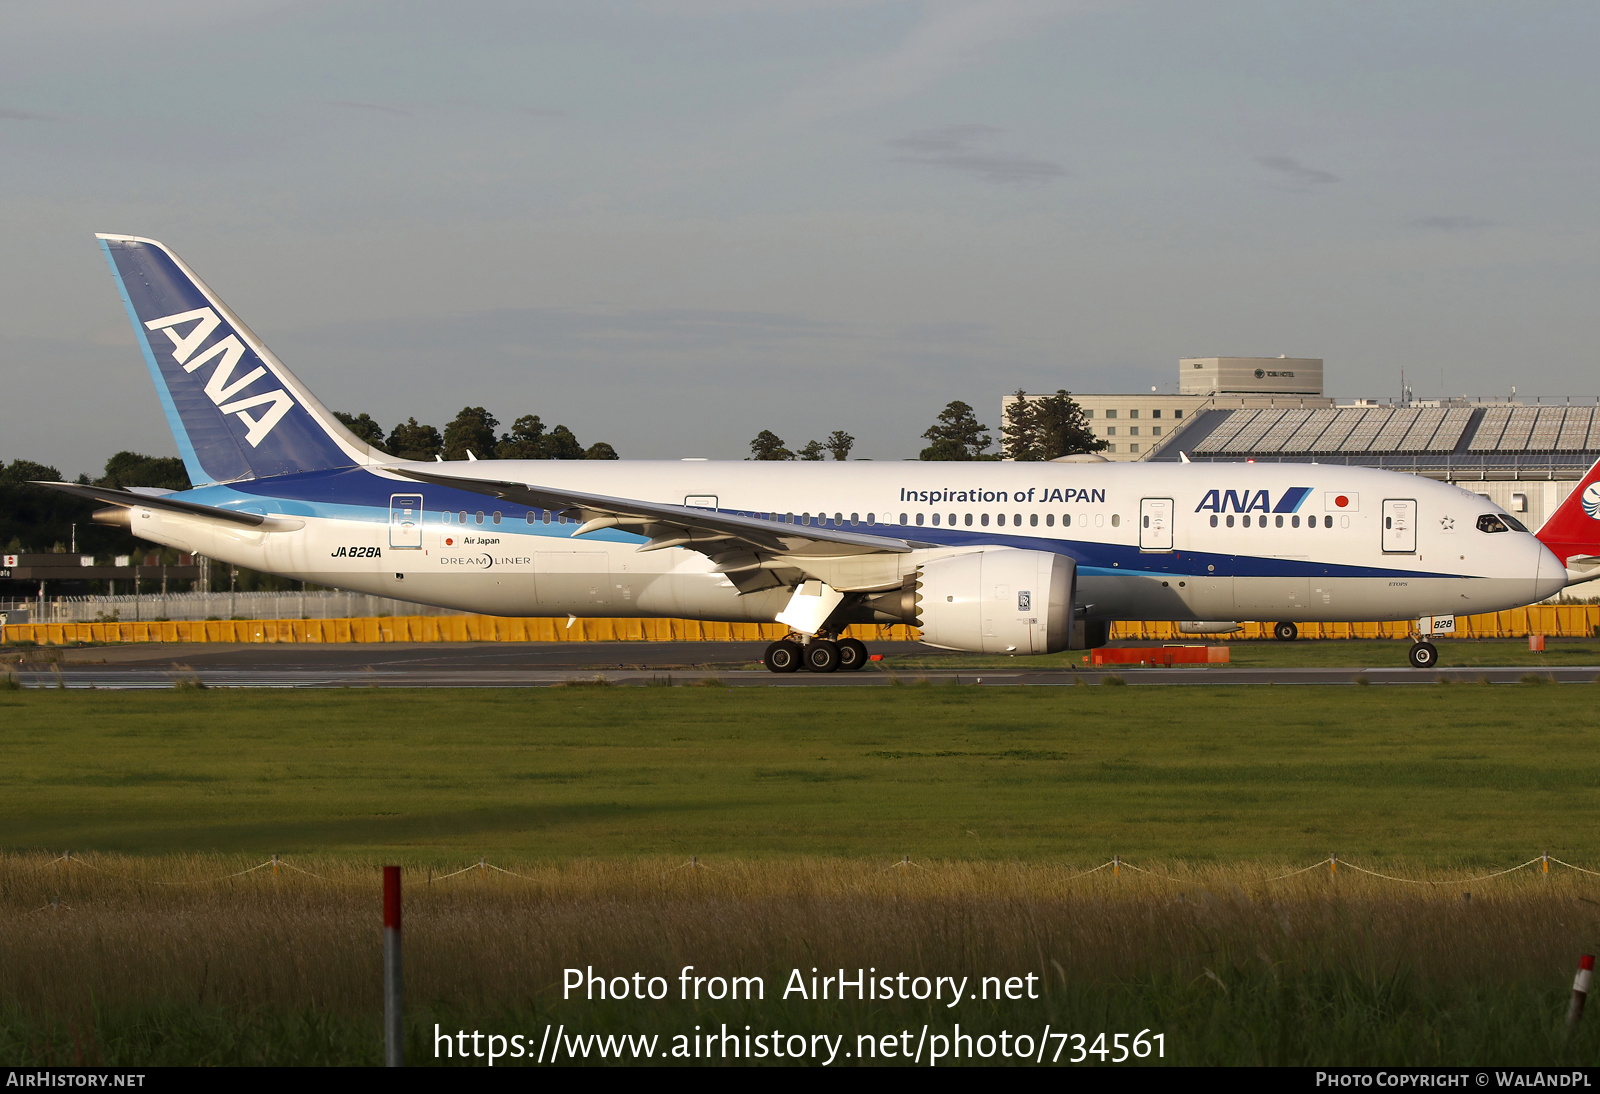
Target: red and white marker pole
[
  {"x": 393, "y": 1034},
  {"x": 1580, "y": 989}
]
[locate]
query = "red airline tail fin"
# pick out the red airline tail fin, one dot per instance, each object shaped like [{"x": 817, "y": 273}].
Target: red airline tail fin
[{"x": 1573, "y": 530}]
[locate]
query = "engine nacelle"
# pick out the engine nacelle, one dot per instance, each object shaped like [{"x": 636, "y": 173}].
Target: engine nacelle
[{"x": 997, "y": 601}]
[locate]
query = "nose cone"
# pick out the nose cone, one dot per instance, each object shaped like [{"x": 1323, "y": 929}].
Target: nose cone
[{"x": 1552, "y": 575}]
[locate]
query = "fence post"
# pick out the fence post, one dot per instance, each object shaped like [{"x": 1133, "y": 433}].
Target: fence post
[
  {"x": 1580, "y": 990},
  {"x": 393, "y": 1032}
]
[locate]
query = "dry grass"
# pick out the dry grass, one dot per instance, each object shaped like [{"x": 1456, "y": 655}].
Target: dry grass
[{"x": 131, "y": 931}]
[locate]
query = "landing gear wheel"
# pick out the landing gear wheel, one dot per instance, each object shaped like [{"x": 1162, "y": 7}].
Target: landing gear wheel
[
  {"x": 821, "y": 655},
  {"x": 1423, "y": 655},
  {"x": 1285, "y": 632},
  {"x": 853, "y": 655},
  {"x": 782, "y": 656}
]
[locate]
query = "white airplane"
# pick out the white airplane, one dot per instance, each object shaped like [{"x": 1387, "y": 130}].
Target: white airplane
[{"x": 1016, "y": 558}]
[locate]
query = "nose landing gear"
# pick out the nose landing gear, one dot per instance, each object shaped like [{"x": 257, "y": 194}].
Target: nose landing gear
[{"x": 1424, "y": 655}]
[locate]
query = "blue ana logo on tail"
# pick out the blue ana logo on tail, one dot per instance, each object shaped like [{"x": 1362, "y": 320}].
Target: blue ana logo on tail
[
  {"x": 223, "y": 389},
  {"x": 1253, "y": 501},
  {"x": 1591, "y": 500}
]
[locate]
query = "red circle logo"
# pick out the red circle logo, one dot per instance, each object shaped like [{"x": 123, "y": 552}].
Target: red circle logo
[
  {"x": 1341, "y": 501},
  {"x": 448, "y": 541}
]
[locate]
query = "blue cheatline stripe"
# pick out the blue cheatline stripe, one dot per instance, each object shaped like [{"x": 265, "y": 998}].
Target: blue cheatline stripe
[
  {"x": 1292, "y": 499},
  {"x": 191, "y": 461}
]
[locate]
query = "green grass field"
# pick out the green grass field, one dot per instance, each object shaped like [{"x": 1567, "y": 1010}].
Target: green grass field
[
  {"x": 798, "y": 803},
  {"x": 1436, "y": 775}
]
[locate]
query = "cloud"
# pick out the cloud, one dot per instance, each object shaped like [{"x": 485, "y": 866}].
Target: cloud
[
  {"x": 951, "y": 146},
  {"x": 25, "y": 116},
  {"x": 1297, "y": 174},
  {"x": 950, "y": 35},
  {"x": 1449, "y": 223}
]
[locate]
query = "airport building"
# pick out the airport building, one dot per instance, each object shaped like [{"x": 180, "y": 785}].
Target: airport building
[{"x": 1525, "y": 456}]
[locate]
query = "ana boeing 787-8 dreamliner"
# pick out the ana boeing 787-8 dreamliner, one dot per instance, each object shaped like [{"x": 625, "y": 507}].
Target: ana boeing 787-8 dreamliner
[{"x": 1017, "y": 558}]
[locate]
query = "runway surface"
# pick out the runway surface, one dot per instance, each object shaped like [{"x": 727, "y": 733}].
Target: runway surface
[{"x": 734, "y": 664}]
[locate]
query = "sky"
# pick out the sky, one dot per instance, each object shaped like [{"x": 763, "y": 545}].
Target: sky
[{"x": 671, "y": 225}]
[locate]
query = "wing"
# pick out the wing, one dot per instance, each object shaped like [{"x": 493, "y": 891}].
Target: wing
[{"x": 753, "y": 551}]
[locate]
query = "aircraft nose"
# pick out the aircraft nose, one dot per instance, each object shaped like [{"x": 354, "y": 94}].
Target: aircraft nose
[{"x": 1552, "y": 574}]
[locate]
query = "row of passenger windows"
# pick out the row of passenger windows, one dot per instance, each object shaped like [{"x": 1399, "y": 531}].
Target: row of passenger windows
[
  {"x": 534, "y": 516},
  {"x": 951, "y": 520},
  {"x": 1261, "y": 521}
]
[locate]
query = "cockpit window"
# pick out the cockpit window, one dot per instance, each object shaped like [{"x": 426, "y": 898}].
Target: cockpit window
[
  {"x": 1516, "y": 525},
  {"x": 1491, "y": 523}
]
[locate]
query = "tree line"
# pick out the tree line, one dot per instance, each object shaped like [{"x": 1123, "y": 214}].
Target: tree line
[
  {"x": 1045, "y": 428},
  {"x": 473, "y": 431}
]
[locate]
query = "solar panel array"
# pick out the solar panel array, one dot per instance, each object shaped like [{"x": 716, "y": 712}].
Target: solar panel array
[{"x": 1403, "y": 430}]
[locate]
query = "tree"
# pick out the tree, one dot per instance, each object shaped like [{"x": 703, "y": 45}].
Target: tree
[
  {"x": 769, "y": 446},
  {"x": 1047, "y": 428},
  {"x": 839, "y": 443},
  {"x": 957, "y": 435},
  {"x": 524, "y": 442},
  {"x": 363, "y": 427},
  {"x": 600, "y": 451},
  {"x": 411, "y": 441},
  {"x": 561, "y": 444},
  {"x": 813, "y": 450},
  {"x": 133, "y": 469},
  {"x": 471, "y": 431}
]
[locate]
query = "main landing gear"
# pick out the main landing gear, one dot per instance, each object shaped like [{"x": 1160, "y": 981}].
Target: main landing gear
[
  {"x": 1285, "y": 632},
  {"x": 815, "y": 654}
]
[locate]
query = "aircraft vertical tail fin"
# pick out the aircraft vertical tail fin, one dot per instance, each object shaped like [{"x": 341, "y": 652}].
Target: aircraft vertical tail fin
[
  {"x": 1573, "y": 530},
  {"x": 235, "y": 410}
]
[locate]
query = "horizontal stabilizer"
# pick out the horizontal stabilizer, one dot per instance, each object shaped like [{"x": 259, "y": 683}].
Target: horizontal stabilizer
[{"x": 128, "y": 499}]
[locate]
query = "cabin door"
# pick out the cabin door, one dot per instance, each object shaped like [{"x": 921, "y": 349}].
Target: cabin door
[
  {"x": 405, "y": 520},
  {"x": 1399, "y": 526},
  {"x": 1155, "y": 524}
]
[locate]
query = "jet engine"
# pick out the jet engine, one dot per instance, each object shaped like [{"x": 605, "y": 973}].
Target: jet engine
[{"x": 996, "y": 601}]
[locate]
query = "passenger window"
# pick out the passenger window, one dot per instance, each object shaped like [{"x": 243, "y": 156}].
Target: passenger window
[
  {"x": 902, "y": 518},
  {"x": 1230, "y": 520},
  {"x": 1294, "y": 522},
  {"x": 952, "y": 520},
  {"x": 838, "y": 520},
  {"x": 854, "y": 519},
  {"x": 1000, "y": 519},
  {"x": 1016, "y": 519},
  {"x": 1213, "y": 520},
  {"x": 967, "y": 520},
  {"x": 444, "y": 518},
  {"x": 497, "y": 518},
  {"x": 463, "y": 519},
  {"x": 919, "y": 519},
  {"x": 1486, "y": 523},
  {"x": 1279, "y": 522},
  {"x": 1066, "y": 520},
  {"x": 871, "y": 519},
  {"x": 529, "y": 516},
  {"x": 936, "y": 520},
  {"x": 1245, "y": 520},
  {"x": 1033, "y": 520},
  {"x": 1049, "y": 520},
  {"x": 480, "y": 516},
  {"x": 984, "y": 520},
  {"x": 1116, "y": 520},
  {"x": 1327, "y": 522},
  {"x": 546, "y": 516}
]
